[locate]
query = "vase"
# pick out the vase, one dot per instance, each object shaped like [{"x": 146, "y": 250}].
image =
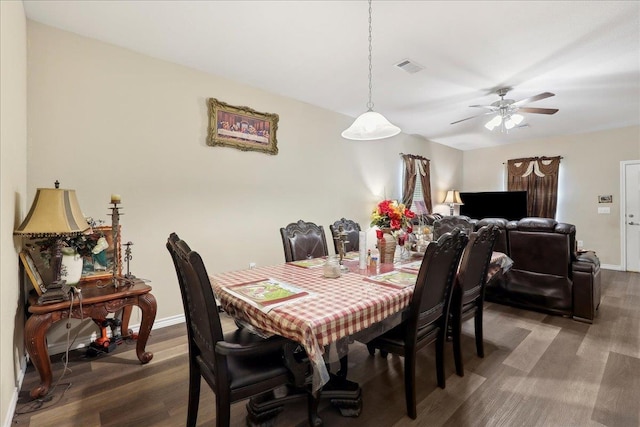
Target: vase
[
  {"x": 71, "y": 267},
  {"x": 387, "y": 247}
]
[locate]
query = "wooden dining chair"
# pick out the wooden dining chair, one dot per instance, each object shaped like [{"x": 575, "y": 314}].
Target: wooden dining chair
[
  {"x": 302, "y": 240},
  {"x": 468, "y": 292},
  {"x": 428, "y": 313},
  {"x": 236, "y": 365},
  {"x": 352, "y": 229},
  {"x": 448, "y": 223}
]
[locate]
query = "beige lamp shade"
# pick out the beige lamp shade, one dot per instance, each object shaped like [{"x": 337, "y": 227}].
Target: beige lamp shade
[
  {"x": 453, "y": 197},
  {"x": 54, "y": 212}
]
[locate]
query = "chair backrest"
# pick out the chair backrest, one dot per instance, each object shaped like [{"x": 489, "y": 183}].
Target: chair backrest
[
  {"x": 542, "y": 245},
  {"x": 472, "y": 274},
  {"x": 302, "y": 240},
  {"x": 501, "y": 241},
  {"x": 448, "y": 223},
  {"x": 432, "y": 294},
  {"x": 204, "y": 329},
  {"x": 352, "y": 229}
]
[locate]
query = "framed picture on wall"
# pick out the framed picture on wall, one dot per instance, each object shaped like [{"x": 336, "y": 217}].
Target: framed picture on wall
[{"x": 241, "y": 127}]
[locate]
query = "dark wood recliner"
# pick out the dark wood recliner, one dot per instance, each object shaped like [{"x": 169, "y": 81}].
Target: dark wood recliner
[
  {"x": 236, "y": 365},
  {"x": 468, "y": 291},
  {"x": 352, "y": 229},
  {"x": 428, "y": 313},
  {"x": 302, "y": 240}
]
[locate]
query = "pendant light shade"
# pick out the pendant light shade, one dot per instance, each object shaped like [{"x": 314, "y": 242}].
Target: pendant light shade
[{"x": 370, "y": 125}]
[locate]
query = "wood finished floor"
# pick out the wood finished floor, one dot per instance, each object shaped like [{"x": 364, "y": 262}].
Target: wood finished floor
[{"x": 538, "y": 370}]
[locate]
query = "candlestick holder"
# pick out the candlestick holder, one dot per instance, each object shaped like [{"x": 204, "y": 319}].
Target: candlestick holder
[
  {"x": 127, "y": 258},
  {"x": 341, "y": 237},
  {"x": 115, "y": 227}
]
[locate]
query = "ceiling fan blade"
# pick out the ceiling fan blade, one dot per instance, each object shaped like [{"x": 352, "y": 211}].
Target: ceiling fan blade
[
  {"x": 537, "y": 97},
  {"x": 538, "y": 110},
  {"x": 490, "y": 107},
  {"x": 472, "y": 117}
]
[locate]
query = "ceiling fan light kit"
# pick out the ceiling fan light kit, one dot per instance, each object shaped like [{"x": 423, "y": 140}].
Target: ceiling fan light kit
[
  {"x": 507, "y": 111},
  {"x": 370, "y": 126}
]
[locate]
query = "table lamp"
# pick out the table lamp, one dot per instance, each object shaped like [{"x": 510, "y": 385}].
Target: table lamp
[
  {"x": 54, "y": 212},
  {"x": 452, "y": 198}
]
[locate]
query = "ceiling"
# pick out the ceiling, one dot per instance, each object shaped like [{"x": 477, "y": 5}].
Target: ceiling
[{"x": 586, "y": 52}]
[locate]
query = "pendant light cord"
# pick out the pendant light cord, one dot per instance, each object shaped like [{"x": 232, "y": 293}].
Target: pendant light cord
[{"x": 370, "y": 103}]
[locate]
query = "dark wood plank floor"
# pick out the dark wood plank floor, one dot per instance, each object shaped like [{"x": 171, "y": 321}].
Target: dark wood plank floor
[{"x": 538, "y": 370}]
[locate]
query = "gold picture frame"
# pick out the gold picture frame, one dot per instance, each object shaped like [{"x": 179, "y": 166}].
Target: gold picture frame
[
  {"x": 242, "y": 128},
  {"x": 32, "y": 272},
  {"x": 89, "y": 270}
]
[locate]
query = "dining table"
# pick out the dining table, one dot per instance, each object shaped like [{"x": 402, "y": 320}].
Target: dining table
[{"x": 295, "y": 300}]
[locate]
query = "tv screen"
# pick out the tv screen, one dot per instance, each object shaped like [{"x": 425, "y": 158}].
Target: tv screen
[{"x": 510, "y": 205}]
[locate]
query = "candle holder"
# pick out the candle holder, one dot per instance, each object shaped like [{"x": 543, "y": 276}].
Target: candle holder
[
  {"x": 127, "y": 258},
  {"x": 115, "y": 226},
  {"x": 341, "y": 237}
]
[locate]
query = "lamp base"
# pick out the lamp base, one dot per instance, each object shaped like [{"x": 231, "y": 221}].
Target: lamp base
[{"x": 56, "y": 292}]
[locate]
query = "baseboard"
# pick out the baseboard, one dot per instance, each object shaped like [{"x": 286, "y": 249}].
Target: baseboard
[
  {"x": 83, "y": 341},
  {"x": 611, "y": 267},
  {"x": 11, "y": 409},
  {"x": 61, "y": 348}
]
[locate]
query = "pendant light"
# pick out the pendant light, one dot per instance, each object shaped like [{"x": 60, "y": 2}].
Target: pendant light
[{"x": 370, "y": 125}]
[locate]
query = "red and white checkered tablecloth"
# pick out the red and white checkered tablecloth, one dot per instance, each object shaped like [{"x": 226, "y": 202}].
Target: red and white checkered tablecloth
[{"x": 336, "y": 309}]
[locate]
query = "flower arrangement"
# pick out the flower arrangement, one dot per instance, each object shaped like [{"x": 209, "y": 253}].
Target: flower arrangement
[{"x": 393, "y": 215}]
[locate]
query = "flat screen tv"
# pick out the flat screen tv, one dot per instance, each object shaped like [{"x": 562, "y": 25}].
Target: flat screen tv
[{"x": 510, "y": 205}]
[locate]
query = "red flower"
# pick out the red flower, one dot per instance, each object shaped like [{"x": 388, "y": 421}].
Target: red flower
[{"x": 379, "y": 234}]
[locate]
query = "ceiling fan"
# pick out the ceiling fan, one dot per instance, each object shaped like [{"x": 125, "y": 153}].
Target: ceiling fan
[{"x": 507, "y": 110}]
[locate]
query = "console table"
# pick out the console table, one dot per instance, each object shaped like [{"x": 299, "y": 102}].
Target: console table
[{"x": 98, "y": 300}]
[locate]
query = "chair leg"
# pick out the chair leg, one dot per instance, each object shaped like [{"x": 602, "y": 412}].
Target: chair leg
[
  {"x": 440, "y": 359},
  {"x": 194, "y": 395},
  {"x": 223, "y": 410},
  {"x": 479, "y": 334},
  {"x": 410, "y": 382},
  {"x": 372, "y": 349},
  {"x": 457, "y": 346}
]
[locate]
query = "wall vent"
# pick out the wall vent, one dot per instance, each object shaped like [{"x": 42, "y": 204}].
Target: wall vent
[{"x": 409, "y": 66}]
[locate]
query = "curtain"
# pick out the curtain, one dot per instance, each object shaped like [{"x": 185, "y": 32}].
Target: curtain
[
  {"x": 409, "y": 184},
  {"x": 539, "y": 177},
  {"x": 415, "y": 166}
]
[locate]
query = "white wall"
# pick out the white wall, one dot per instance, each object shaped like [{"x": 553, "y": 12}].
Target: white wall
[
  {"x": 13, "y": 179},
  {"x": 590, "y": 167}
]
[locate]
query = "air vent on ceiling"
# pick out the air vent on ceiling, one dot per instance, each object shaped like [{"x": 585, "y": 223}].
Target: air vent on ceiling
[{"x": 409, "y": 66}]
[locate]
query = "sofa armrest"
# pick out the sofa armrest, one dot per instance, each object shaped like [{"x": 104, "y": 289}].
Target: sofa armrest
[{"x": 586, "y": 286}]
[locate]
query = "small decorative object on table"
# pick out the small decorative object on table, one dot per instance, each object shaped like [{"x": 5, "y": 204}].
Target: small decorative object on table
[
  {"x": 341, "y": 237},
  {"x": 128, "y": 257},
  {"x": 115, "y": 224},
  {"x": 392, "y": 219}
]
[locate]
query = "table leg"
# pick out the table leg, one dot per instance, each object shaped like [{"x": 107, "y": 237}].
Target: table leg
[
  {"x": 148, "y": 305},
  {"x": 124, "y": 326},
  {"x": 35, "y": 338}
]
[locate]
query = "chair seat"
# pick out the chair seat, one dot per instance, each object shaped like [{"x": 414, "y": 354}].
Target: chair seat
[
  {"x": 395, "y": 338},
  {"x": 242, "y": 369}
]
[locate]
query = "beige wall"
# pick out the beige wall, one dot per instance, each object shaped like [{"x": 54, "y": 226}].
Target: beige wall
[
  {"x": 13, "y": 179},
  {"x": 590, "y": 167},
  {"x": 106, "y": 120}
]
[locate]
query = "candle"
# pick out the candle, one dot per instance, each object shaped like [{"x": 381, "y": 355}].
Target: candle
[
  {"x": 362, "y": 249},
  {"x": 115, "y": 198}
]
